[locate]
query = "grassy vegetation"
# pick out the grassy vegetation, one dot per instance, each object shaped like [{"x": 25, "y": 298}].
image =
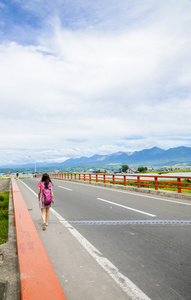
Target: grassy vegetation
[{"x": 4, "y": 204}]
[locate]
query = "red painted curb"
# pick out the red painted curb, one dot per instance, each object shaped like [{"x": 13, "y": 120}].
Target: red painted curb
[{"x": 37, "y": 277}]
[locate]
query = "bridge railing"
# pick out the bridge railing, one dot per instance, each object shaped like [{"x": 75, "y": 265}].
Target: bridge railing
[{"x": 179, "y": 183}]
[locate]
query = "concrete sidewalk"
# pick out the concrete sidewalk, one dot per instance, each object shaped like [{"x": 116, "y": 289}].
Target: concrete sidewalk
[{"x": 80, "y": 276}]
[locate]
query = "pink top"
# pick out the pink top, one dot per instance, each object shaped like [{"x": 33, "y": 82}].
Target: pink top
[
  {"x": 41, "y": 204},
  {"x": 41, "y": 186}
]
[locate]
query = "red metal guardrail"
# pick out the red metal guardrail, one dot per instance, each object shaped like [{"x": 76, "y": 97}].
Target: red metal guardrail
[
  {"x": 37, "y": 277},
  {"x": 180, "y": 183}
]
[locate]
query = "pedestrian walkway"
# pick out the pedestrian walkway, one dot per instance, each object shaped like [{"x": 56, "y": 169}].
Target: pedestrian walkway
[{"x": 37, "y": 277}]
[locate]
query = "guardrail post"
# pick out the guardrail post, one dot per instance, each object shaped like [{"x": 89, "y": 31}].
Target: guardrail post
[
  {"x": 104, "y": 178},
  {"x": 90, "y": 178},
  {"x": 156, "y": 183},
  {"x": 138, "y": 182},
  {"x": 96, "y": 178},
  {"x": 179, "y": 185},
  {"x": 75, "y": 176},
  {"x": 79, "y": 176},
  {"x": 113, "y": 179},
  {"x": 124, "y": 180},
  {"x": 84, "y": 177}
]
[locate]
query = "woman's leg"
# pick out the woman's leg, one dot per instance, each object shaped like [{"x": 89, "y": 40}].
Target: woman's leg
[
  {"x": 47, "y": 215},
  {"x": 43, "y": 213}
]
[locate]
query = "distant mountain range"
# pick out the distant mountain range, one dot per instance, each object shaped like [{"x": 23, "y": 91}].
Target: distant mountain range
[
  {"x": 147, "y": 157},
  {"x": 154, "y": 157}
]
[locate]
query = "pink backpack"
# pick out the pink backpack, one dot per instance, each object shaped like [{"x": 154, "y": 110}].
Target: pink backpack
[{"x": 46, "y": 195}]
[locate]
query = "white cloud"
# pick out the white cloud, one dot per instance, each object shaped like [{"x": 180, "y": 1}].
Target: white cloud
[{"x": 95, "y": 90}]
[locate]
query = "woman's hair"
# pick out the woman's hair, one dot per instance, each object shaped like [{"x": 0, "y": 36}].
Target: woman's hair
[{"x": 46, "y": 179}]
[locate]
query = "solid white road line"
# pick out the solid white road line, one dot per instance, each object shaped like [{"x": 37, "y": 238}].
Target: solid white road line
[
  {"x": 126, "y": 207},
  {"x": 29, "y": 188},
  {"x": 65, "y": 188},
  {"x": 125, "y": 283}
]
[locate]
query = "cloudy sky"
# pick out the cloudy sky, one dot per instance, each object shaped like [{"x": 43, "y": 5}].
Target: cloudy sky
[{"x": 79, "y": 77}]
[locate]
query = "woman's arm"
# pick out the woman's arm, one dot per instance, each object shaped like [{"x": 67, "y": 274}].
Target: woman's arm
[
  {"x": 39, "y": 191},
  {"x": 52, "y": 195}
]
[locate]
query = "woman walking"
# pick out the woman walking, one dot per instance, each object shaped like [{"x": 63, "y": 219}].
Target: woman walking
[{"x": 45, "y": 192}]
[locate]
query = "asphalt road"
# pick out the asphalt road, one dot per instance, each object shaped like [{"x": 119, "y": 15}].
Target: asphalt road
[{"x": 146, "y": 240}]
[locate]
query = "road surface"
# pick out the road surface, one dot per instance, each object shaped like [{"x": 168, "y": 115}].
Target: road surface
[{"x": 137, "y": 246}]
